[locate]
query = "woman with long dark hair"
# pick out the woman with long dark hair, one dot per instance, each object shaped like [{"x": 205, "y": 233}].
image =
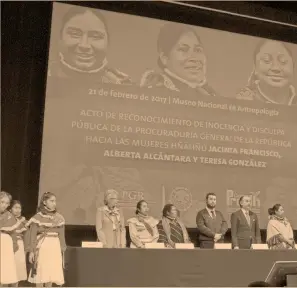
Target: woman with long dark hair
[
  {"x": 83, "y": 45},
  {"x": 21, "y": 233},
  {"x": 182, "y": 62},
  {"x": 171, "y": 228},
  {"x": 142, "y": 227},
  {"x": 47, "y": 243},
  {"x": 271, "y": 80},
  {"x": 279, "y": 230}
]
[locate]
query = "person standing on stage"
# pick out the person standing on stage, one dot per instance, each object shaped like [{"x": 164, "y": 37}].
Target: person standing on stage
[
  {"x": 245, "y": 229},
  {"x": 21, "y": 233},
  {"x": 8, "y": 244},
  {"x": 110, "y": 223},
  {"x": 142, "y": 228},
  {"x": 46, "y": 243},
  {"x": 171, "y": 229},
  {"x": 211, "y": 224},
  {"x": 280, "y": 234}
]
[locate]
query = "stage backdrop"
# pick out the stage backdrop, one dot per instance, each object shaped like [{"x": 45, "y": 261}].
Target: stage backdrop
[{"x": 119, "y": 115}]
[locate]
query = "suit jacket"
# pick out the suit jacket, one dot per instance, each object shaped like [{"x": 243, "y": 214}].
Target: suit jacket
[
  {"x": 208, "y": 227},
  {"x": 243, "y": 234},
  {"x": 105, "y": 230}
]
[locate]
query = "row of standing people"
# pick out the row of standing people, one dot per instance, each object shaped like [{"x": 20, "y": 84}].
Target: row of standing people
[
  {"x": 42, "y": 237},
  {"x": 211, "y": 224},
  {"x": 182, "y": 62}
]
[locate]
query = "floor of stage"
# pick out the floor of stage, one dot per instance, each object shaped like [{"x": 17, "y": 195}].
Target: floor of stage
[{"x": 169, "y": 267}]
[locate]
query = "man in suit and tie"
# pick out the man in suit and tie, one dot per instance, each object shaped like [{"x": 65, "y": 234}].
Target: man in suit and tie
[
  {"x": 211, "y": 224},
  {"x": 245, "y": 229}
]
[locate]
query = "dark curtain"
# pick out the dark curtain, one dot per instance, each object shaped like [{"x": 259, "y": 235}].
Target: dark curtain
[{"x": 25, "y": 31}]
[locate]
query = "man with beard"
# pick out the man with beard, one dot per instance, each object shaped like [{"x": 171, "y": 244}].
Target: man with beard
[
  {"x": 244, "y": 226},
  {"x": 211, "y": 224}
]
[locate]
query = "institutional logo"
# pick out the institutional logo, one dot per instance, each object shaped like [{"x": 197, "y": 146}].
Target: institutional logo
[
  {"x": 232, "y": 201},
  {"x": 181, "y": 198}
]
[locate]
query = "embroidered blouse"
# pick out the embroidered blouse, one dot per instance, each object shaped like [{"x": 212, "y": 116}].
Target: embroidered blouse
[{"x": 41, "y": 225}]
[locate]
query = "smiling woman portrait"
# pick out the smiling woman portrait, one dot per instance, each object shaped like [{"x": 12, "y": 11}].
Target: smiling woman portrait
[
  {"x": 271, "y": 80},
  {"x": 181, "y": 60},
  {"x": 84, "y": 40}
]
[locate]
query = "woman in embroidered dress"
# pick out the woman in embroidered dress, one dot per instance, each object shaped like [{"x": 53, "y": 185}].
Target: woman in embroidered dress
[
  {"x": 142, "y": 227},
  {"x": 47, "y": 243},
  {"x": 8, "y": 245},
  {"x": 182, "y": 62},
  {"x": 84, "y": 41},
  {"x": 21, "y": 233},
  {"x": 272, "y": 78},
  {"x": 279, "y": 231},
  {"x": 110, "y": 223},
  {"x": 171, "y": 229}
]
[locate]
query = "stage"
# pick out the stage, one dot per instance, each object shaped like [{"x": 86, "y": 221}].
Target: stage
[{"x": 168, "y": 267}]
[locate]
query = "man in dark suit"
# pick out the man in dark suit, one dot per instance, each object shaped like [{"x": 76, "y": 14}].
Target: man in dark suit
[
  {"x": 211, "y": 224},
  {"x": 244, "y": 226}
]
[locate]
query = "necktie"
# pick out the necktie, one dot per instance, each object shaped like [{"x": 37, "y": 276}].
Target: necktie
[
  {"x": 213, "y": 214},
  {"x": 248, "y": 218}
]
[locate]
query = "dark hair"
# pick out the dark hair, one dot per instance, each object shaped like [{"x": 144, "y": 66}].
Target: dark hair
[
  {"x": 15, "y": 202},
  {"x": 169, "y": 34},
  {"x": 78, "y": 10},
  {"x": 275, "y": 208},
  {"x": 253, "y": 77},
  {"x": 240, "y": 199},
  {"x": 210, "y": 194},
  {"x": 44, "y": 197},
  {"x": 259, "y": 284},
  {"x": 138, "y": 205},
  {"x": 167, "y": 208}
]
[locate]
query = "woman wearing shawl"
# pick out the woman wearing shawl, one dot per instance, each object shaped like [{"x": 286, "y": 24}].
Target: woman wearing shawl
[
  {"x": 46, "y": 243},
  {"x": 110, "y": 223},
  {"x": 84, "y": 40},
  {"x": 21, "y": 234},
  {"x": 272, "y": 80},
  {"x": 181, "y": 61},
  {"x": 142, "y": 228},
  {"x": 8, "y": 242},
  {"x": 279, "y": 231},
  {"x": 171, "y": 229}
]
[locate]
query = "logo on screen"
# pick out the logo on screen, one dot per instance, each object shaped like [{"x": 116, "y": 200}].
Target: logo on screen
[
  {"x": 232, "y": 198},
  {"x": 181, "y": 198}
]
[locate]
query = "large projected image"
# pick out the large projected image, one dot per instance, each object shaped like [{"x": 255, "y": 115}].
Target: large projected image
[{"x": 166, "y": 112}]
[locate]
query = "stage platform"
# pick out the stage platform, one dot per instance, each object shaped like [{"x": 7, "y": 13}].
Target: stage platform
[{"x": 169, "y": 267}]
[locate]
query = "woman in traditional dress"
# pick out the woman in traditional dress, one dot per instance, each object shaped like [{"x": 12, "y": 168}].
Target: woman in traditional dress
[
  {"x": 110, "y": 223},
  {"x": 84, "y": 40},
  {"x": 21, "y": 233},
  {"x": 272, "y": 78},
  {"x": 8, "y": 244},
  {"x": 171, "y": 229},
  {"x": 47, "y": 243},
  {"x": 142, "y": 227},
  {"x": 279, "y": 231},
  {"x": 181, "y": 60}
]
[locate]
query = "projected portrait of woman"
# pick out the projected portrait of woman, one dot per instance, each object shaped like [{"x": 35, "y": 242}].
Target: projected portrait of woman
[
  {"x": 181, "y": 60},
  {"x": 83, "y": 45},
  {"x": 271, "y": 80}
]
